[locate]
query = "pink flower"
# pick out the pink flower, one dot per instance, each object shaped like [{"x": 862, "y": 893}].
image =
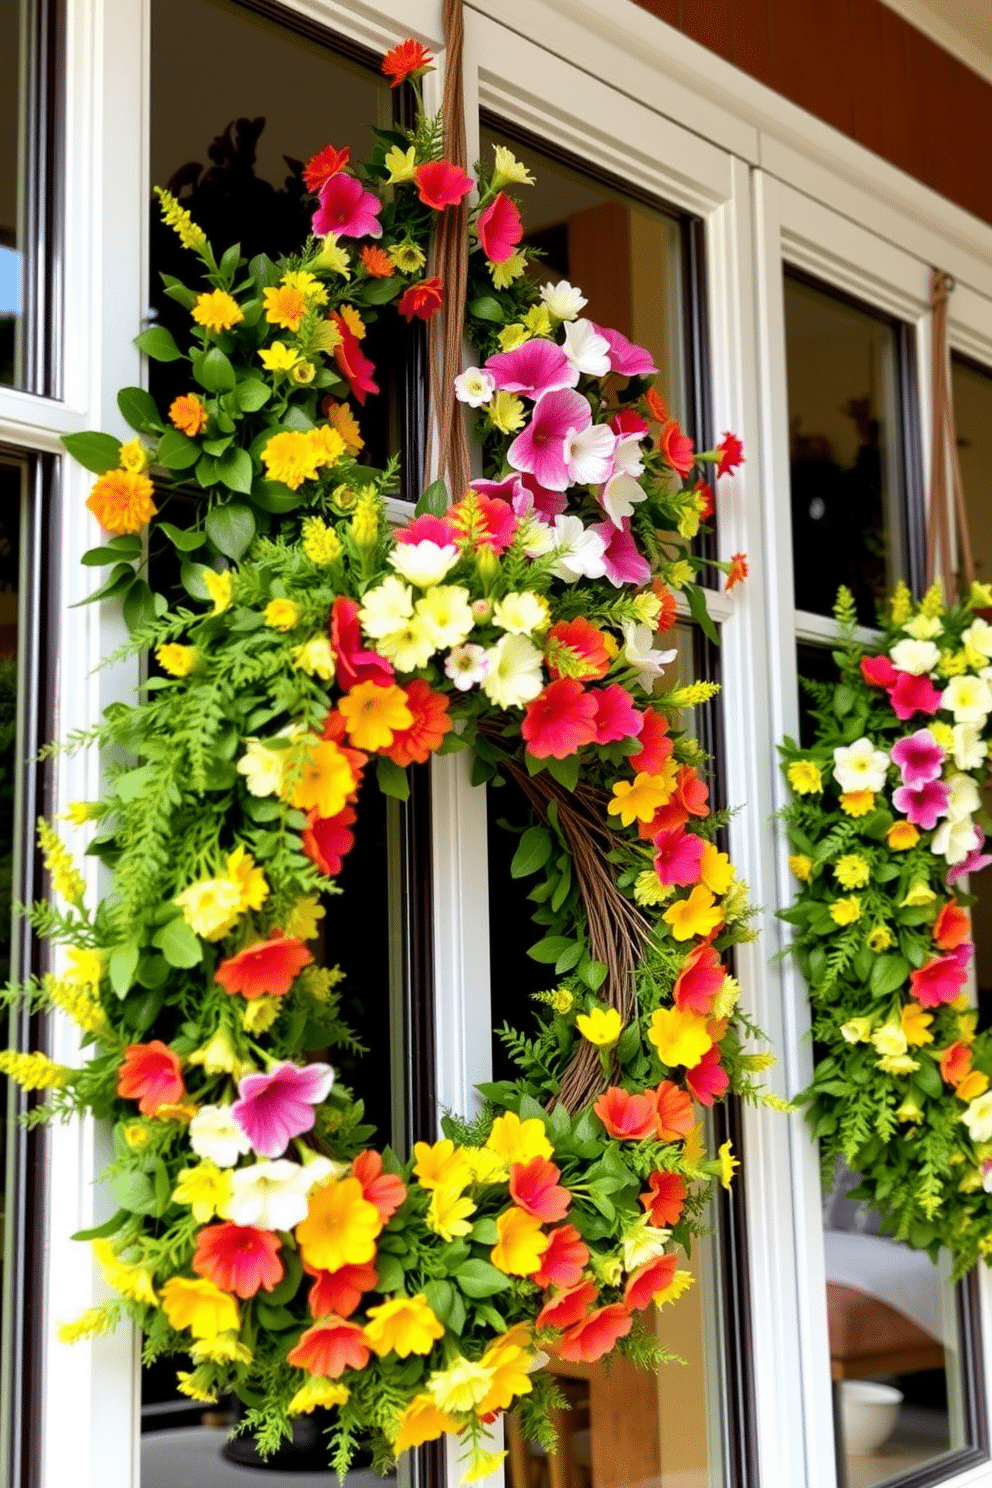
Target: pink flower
[
  {"x": 629, "y": 421},
  {"x": 940, "y": 980},
  {"x": 279, "y": 1106},
  {"x": 973, "y": 863},
  {"x": 352, "y": 664},
  {"x": 540, "y": 448},
  {"x": 560, "y": 720},
  {"x": 707, "y": 1080},
  {"x": 699, "y": 981},
  {"x": 616, "y": 716},
  {"x": 239, "y": 1258},
  {"x": 679, "y": 854},
  {"x": 427, "y": 529},
  {"x": 913, "y": 695},
  {"x": 919, "y": 758},
  {"x": 532, "y": 369},
  {"x": 878, "y": 671},
  {"x": 525, "y": 495},
  {"x": 499, "y": 229},
  {"x": 347, "y": 210},
  {"x": 626, "y": 358},
  {"x": 623, "y": 563},
  {"x": 492, "y": 525},
  {"x": 656, "y": 746},
  {"x": 922, "y": 806},
  {"x": 441, "y": 184}
]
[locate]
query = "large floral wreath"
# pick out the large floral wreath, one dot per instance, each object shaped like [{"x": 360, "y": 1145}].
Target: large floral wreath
[
  {"x": 255, "y": 1230},
  {"x": 886, "y": 823}
]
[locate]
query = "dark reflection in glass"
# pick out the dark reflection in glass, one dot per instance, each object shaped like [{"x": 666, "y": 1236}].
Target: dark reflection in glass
[
  {"x": 12, "y": 476},
  {"x": 11, "y": 191},
  {"x": 847, "y": 488}
]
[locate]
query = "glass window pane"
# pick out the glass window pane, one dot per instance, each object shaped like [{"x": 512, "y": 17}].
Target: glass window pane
[
  {"x": 12, "y": 105},
  {"x": 844, "y": 421}
]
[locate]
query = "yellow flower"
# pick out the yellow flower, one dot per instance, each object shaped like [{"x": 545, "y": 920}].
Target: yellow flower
[
  {"x": 315, "y": 657},
  {"x": 728, "y": 1163},
  {"x": 206, "y": 1189},
  {"x": 856, "y": 1030},
  {"x": 506, "y": 412},
  {"x": 694, "y": 1146},
  {"x": 220, "y": 588},
  {"x": 890, "y": 1039},
  {"x": 304, "y": 920},
  {"x": 133, "y": 1282},
  {"x": 852, "y": 871},
  {"x": 461, "y": 1386},
  {"x": 801, "y": 866},
  {"x": 910, "y": 1110},
  {"x": 448, "y": 1213},
  {"x": 318, "y": 1393},
  {"x": 857, "y": 803},
  {"x": 679, "y": 1037},
  {"x": 281, "y": 614},
  {"x": 198, "y": 1385},
  {"x": 716, "y": 869},
  {"x": 805, "y": 777},
  {"x": 400, "y": 164},
  {"x": 79, "y": 1001},
  {"x": 676, "y": 1288},
  {"x": 442, "y": 1165},
  {"x": 980, "y": 596},
  {"x": 320, "y": 542},
  {"x": 372, "y": 715},
  {"x": 726, "y": 999},
  {"x": 932, "y": 602},
  {"x": 259, "y": 1015},
  {"x": 481, "y": 1464},
  {"x": 503, "y": 274},
  {"x": 407, "y": 257},
  {"x": 917, "y": 894},
  {"x": 879, "y": 939},
  {"x": 90, "y": 1324},
  {"x": 693, "y": 916},
  {"x": 422, "y": 1421},
  {"x": 649, "y": 891},
  {"x": 486, "y": 1166},
  {"x": 943, "y": 733},
  {"x": 915, "y": 1023},
  {"x": 133, "y": 455},
  {"x": 199, "y": 1305},
  {"x": 341, "y": 419},
  {"x": 679, "y": 574},
  {"x": 966, "y": 1022},
  {"x": 60, "y": 864},
  {"x": 321, "y": 776},
  {"x": 182, "y": 224},
  {"x": 365, "y": 520},
  {"x": 308, "y": 284},
  {"x": 285, "y": 306},
  {"x": 901, "y": 836},
  {"x": 85, "y": 967},
  {"x": 340, "y": 1228},
  {"x": 902, "y": 604},
  {"x": 226, "y": 1348},
  {"x": 332, "y": 256},
  {"x": 846, "y": 911},
  {"x": 303, "y": 373},
  {"x": 353, "y": 321},
  {"x": 511, "y": 1359},
  {"x": 279, "y": 357},
  {"x": 80, "y": 812},
  {"x": 602, "y": 1027},
  {"x": 249, "y": 880},
  {"x": 518, "y": 1141},
  {"x": 136, "y": 1135},
  {"x": 211, "y": 907},
  {"x": 177, "y": 660},
  {"x": 538, "y": 320},
  {"x": 638, "y": 800},
  {"x": 217, "y": 311},
  {"x": 897, "y": 1064},
  {"x": 512, "y": 336},
  {"x": 508, "y": 170},
  {"x": 34, "y": 1071},
  {"x": 403, "y": 1326},
  {"x": 292, "y": 457},
  {"x": 975, "y": 1083}
]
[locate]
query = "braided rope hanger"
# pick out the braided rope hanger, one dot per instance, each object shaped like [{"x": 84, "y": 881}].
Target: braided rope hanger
[{"x": 944, "y": 441}]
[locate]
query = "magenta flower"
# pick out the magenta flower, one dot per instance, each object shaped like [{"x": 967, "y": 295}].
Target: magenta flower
[
  {"x": 911, "y": 695},
  {"x": 347, "y": 210},
  {"x": 878, "y": 671},
  {"x": 279, "y": 1106},
  {"x": 940, "y": 980},
  {"x": 679, "y": 855},
  {"x": 919, "y": 758},
  {"x": 923, "y": 805},
  {"x": 500, "y": 229},
  {"x": 540, "y": 448},
  {"x": 427, "y": 529},
  {"x": 973, "y": 863},
  {"x": 525, "y": 495},
  {"x": 532, "y": 369},
  {"x": 624, "y": 563},
  {"x": 626, "y": 358},
  {"x": 616, "y": 716}
]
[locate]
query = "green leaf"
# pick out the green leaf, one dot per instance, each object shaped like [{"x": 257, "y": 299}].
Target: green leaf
[
  {"x": 178, "y": 944},
  {"x": 381, "y": 291},
  {"x": 252, "y": 394},
  {"x": 275, "y": 1319},
  {"x": 231, "y": 529},
  {"x": 569, "y": 958},
  {"x": 697, "y": 608},
  {"x": 392, "y": 779},
  {"x": 927, "y": 1077},
  {"x": 533, "y": 852},
  {"x": 888, "y": 975},
  {"x": 128, "y": 787},
  {"x": 139, "y": 605},
  {"x": 487, "y": 308},
  {"x": 134, "y": 1191},
  {"x": 390, "y": 1273},
  {"x": 286, "y": 1289},
  {"x": 213, "y": 371},
  {"x": 478, "y": 1279},
  {"x": 273, "y": 496},
  {"x": 94, "y": 451},
  {"x": 484, "y": 1231},
  {"x": 263, "y": 271},
  {"x": 102, "y": 1231},
  {"x": 119, "y": 581},
  {"x": 159, "y": 344},
  {"x": 434, "y": 501},
  {"x": 139, "y": 409},
  {"x": 191, "y": 578},
  {"x": 122, "y": 966},
  {"x": 100, "y": 557},
  {"x": 565, "y": 771},
  {"x": 234, "y": 469},
  {"x": 844, "y": 699},
  {"x": 186, "y": 542},
  {"x": 176, "y": 451},
  {"x": 548, "y": 950}
]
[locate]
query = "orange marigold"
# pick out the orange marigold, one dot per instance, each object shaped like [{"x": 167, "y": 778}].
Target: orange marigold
[
  {"x": 738, "y": 569},
  {"x": 188, "y": 414},
  {"x": 217, "y": 311},
  {"x": 340, "y": 417},
  {"x": 414, "y": 745},
  {"x": 377, "y": 263},
  {"x": 285, "y": 306},
  {"x": 410, "y": 59},
  {"x": 122, "y": 501}
]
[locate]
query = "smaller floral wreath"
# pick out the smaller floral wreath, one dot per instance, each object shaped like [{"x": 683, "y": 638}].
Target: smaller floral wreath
[
  {"x": 310, "y": 647},
  {"x": 886, "y": 821}
]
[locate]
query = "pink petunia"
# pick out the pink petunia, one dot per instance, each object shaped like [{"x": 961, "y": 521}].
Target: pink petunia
[
  {"x": 347, "y": 210},
  {"x": 626, "y": 358},
  {"x": 525, "y": 495},
  {"x": 500, "y": 229},
  {"x": 623, "y": 562},
  {"x": 616, "y": 716},
  {"x": 427, "y": 529},
  {"x": 352, "y": 663},
  {"x": 939, "y": 980},
  {"x": 923, "y": 806},
  {"x": 540, "y": 448},
  {"x": 919, "y": 758},
  {"x": 678, "y": 857},
  {"x": 560, "y": 720},
  {"x": 973, "y": 863},
  {"x": 278, "y": 1106},
  {"x": 912, "y": 695},
  {"x": 535, "y": 368},
  {"x": 441, "y": 184},
  {"x": 878, "y": 671},
  {"x": 708, "y": 1080}
]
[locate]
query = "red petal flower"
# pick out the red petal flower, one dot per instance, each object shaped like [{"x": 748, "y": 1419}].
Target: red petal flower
[
  {"x": 689, "y": 798},
  {"x": 427, "y": 529},
  {"x": 938, "y": 981},
  {"x": 616, "y": 716},
  {"x": 267, "y": 969},
  {"x": 239, "y": 1258},
  {"x": 738, "y": 570},
  {"x": 699, "y": 981},
  {"x": 731, "y": 453},
  {"x": 330, "y": 1347},
  {"x": 656, "y": 746},
  {"x": 441, "y": 184},
  {"x": 325, "y": 164},
  {"x": 675, "y": 1118},
  {"x": 500, "y": 229},
  {"x": 705, "y": 490},
  {"x": 676, "y": 447},
  {"x": 568, "y": 1307},
  {"x": 596, "y": 1334},
  {"x": 913, "y": 695},
  {"x": 352, "y": 363},
  {"x": 422, "y": 300},
  {"x": 560, "y": 720},
  {"x": 353, "y": 664},
  {"x": 707, "y": 1080},
  {"x": 642, "y": 1284},
  {"x": 629, "y": 1118},
  {"x": 327, "y": 840},
  {"x": 385, "y": 1190},
  {"x": 484, "y": 521},
  {"x": 878, "y": 671},
  {"x": 534, "y": 1186},
  {"x": 678, "y": 856},
  {"x": 406, "y": 60},
  {"x": 340, "y": 1291},
  {"x": 664, "y": 1202},
  {"x": 590, "y": 661},
  {"x": 952, "y": 926},
  {"x": 414, "y": 745},
  {"x": 563, "y": 1261},
  {"x": 151, "y": 1074}
]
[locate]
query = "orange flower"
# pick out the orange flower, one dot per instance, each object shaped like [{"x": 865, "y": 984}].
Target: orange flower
[
  {"x": 121, "y": 501},
  {"x": 373, "y": 715},
  {"x": 188, "y": 414},
  {"x": 675, "y": 1117},
  {"x": 952, "y": 926},
  {"x": 738, "y": 570},
  {"x": 377, "y": 262},
  {"x": 325, "y": 164},
  {"x": 151, "y": 1074},
  {"x": 663, "y": 1204},
  {"x": 269, "y": 969},
  {"x": 585, "y": 654},
  {"x": 422, "y": 1421},
  {"x": 955, "y": 1064},
  {"x": 407, "y": 60},
  {"x": 569, "y": 1307},
  {"x": 667, "y": 617},
  {"x": 340, "y": 1228},
  {"x": 521, "y": 1243},
  {"x": 656, "y": 406},
  {"x": 421, "y": 301},
  {"x": 340, "y": 1291},
  {"x": 412, "y": 746},
  {"x": 676, "y": 446},
  {"x": 340, "y": 417},
  {"x": 629, "y": 1118},
  {"x": 330, "y": 1347},
  {"x": 654, "y": 1276},
  {"x": 385, "y": 1190},
  {"x": 285, "y": 306},
  {"x": 689, "y": 798},
  {"x": 596, "y": 1334}
]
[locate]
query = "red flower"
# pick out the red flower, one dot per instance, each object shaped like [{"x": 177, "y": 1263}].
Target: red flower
[
  {"x": 422, "y": 300},
  {"x": 629, "y": 1118},
  {"x": 938, "y": 981},
  {"x": 628, "y": 421},
  {"x": 270, "y": 968},
  {"x": 385, "y": 1190},
  {"x": 327, "y": 840},
  {"x": 649, "y": 1279},
  {"x": 667, "y": 1195},
  {"x": 414, "y": 745},
  {"x": 738, "y": 570},
  {"x": 325, "y": 164},
  {"x": 409, "y": 59},
  {"x": 352, "y": 363},
  {"x": 952, "y": 926},
  {"x": 704, "y": 490},
  {"x": 441, "y": 184},
  {"x": 596, "y": 1335},
  {"x": 699, "y": 981},
  {"x": 427, "y": 529},
  {"x": 731, "y": 453},
  {"x": 500, "y": 229},
  {"x": 676, "y": 447},
  {"x": 484, "y": 521},
  {"x": 707, "y": 1080},
  {"x": 534, "y": 1186},
  {"x": 340, "y": 1291},
  {"x": 689, "y": 798},
  {"x": 656, "y": 746},
  {"x": 560, "y": 720},
  {"x": 675, "y": 1118},
  {"x": 352, "y": 664},
  {"x": 562, "y": 1262},
  {"x": 912, "y": 695},
  {"x": 239, "y": 1258},
  {"x": 151, "y": 1074},
  {"x": 878, "y": 671},
  {"x": 330, "y": 1347},
  {"x": 591, "y": 660},
  {"x": 616, "y": 716},
  {"x": 568, "y": 1308},
  {"x": 955, "y": 1063}
]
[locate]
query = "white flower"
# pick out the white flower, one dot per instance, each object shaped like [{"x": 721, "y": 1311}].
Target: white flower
[
  {"x": 589, "y": 454},
  {"x": 270, "y": 1195},
  {"x": 534, "y": 536},
  {"x": 915, "y": 657},
  {"x": 890, "y": 1039},
  {"x": 514, "y": 672},
  {"x": 637, "y": 653},
  {"x": 619, "y": 497},
  {"x": 521, "y": 613},
  {"x": 262, "y": 768},
  {"x": 466, "y": 666},
  {"x": 215, "y": 1135},
  {"x": 409, "y": 648},
  {"x": 642, "y": 1243},
  {"x": 315, "y": 657},
  {"x": 386, "y": 608},
  {"x": 968, "y": 698},
  {"x": 963, "y": 797},
  {"x": 978, "y": 637},
  {"x": 586, "y": 349},
  {"x": 475, "y": 387},
  {"x": 969, "y": 747},
  {"x": 923, "y": 627},
  {"x": 580, "y": 551},
  {"x": 978, "y": 1118},
  {"x": 628, "y": 457},
  {"x": 954, "y": 840},
  {"x": 563, "y": 300},
  {"x": 860, "y": 766},
  {"x": 446, "y": 613},
  {"x": 423, "y": 563}
]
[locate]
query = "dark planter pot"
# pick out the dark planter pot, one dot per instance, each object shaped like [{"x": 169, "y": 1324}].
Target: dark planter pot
[{"x": 306, "y": 1453}]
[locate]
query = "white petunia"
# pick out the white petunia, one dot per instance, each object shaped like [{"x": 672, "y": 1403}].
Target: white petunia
[
  {"x": 409, "y": 648},
  {"x": 563, "y": 299},
  {"x": 262, "y": 768},
  {"x": 969, "y": 746},
  {"x": 978, "y": 637},
  {"x": 963, "y": 797},
  {"x": 954, "y": 840},
  {"x": 475, "y": 386},
  {"x": 619, "y": 497},
  {"x": 968, "y": 698},
  {"x": 860, "y": 766},
  {"x": 446, "y": 613},
  {"x": 586, "y": 349},
  {"x": 515, "y": 676},
  {"x": 270, "y": 1195},
  {"x": 642, "y": 1242},
  {"x": 589, "y": 454},
  {"x": 915, "y": 657},
  {"x": 423, "y": 563},
  {"x": 628, "y": 457},
  {"x": 579, "y": 549},
  {"x": 466, "y": 666},
  {"x": 978, "y": 1118},
  {"x": 215, "y": 1135},
  {"x": 386, "y": 608},
  {"x": 521, "y": 613},
  {"x": 637, "y": 652}
]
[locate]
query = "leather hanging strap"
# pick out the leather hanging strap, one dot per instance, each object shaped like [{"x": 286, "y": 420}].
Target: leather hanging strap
[
  {"x": 451, "y": 265},
  {"x": 944, "y": 442}
]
